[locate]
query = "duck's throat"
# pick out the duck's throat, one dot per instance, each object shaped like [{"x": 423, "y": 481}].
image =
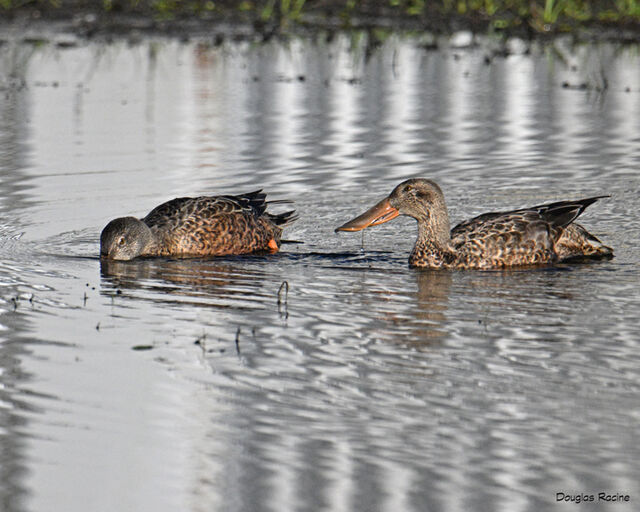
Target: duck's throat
[
  {"x": 434, "y": 232},
  {"x": 432, "y": 248}
]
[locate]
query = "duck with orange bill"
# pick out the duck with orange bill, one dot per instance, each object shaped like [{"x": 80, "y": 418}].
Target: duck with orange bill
[{"x": 539, "y": 235}]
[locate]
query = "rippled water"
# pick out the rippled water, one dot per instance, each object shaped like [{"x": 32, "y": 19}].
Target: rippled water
[{"x": 329, "y": 376}]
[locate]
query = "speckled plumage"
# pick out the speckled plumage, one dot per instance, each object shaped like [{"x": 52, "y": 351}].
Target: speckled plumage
[
  {"x": 543, "y": 234},
  {"x": 201, "y": 226}
]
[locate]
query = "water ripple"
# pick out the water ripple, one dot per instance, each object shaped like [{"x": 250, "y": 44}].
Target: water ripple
[{"x": 329, "y": 375}]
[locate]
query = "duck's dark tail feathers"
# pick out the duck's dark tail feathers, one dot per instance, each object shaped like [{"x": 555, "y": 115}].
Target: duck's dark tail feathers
[
  {"x": 283, "y": 219},
  {"x": 257, "y": 201},
  {"x": 563, "y": 213}
]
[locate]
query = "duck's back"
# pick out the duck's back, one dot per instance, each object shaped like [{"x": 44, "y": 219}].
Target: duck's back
[
  {"x": 495, "y": 240},
  {"x": 528, "y": 236},
  {"x": 216, "y": 225}
]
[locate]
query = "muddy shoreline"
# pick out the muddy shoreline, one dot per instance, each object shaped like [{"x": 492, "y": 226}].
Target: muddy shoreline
[{"x": 230, "y": 23}]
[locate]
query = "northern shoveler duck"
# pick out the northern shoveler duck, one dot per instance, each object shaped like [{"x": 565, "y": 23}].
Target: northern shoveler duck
[
  {"x": 200, "y": 226},
  {"x": 542, "y": 234}
]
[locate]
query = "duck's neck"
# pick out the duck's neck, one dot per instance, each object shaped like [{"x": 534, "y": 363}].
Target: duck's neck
[
  {"x": 151, "y": 245},
  {"x": 433, "y": 247},
  {"x": 435, "y": 231}
]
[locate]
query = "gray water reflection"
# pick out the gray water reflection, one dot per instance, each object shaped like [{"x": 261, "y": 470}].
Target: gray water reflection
[{"x": 366, "y": 386}]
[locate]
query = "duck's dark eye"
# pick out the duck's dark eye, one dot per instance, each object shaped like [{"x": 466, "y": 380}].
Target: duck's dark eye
[
  {"x": 121, "y": 241},
  {"x": 409, "y": 188}
]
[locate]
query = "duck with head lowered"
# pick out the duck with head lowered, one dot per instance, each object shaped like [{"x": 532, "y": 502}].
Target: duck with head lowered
[
  {"x": 196, "y": 227},
  {"x": 539, "y": 235}
]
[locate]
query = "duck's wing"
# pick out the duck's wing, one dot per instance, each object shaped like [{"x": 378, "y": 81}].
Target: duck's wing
[
  {"x": 500, "y": 224},
  {"x": 497, "y": 240},
  {"x": 555, "y": 215},
  {"x": 217, "y": 225},
  {"x": 519, "y": 237},
  {"x": 176, "y": 212},
  {"x": 562, "y": 213}
]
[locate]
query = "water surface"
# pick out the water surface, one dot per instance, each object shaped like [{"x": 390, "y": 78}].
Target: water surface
[{"x": 329, "y": 376}]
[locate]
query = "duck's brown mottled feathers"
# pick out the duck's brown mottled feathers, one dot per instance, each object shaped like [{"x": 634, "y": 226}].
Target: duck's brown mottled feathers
[
  {"x": 577, "y": 244},
  {"x": 200, "y": 226},
  {"x": 529, "y": 236},
  {"x": 539, "y": 234},
  {"x": 174, "y": 212},
  {"x": 558, "y": 214},
  {"x": 217, "y": 225}
]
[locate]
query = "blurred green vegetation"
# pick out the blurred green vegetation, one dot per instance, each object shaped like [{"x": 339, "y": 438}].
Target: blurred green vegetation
[{"x": 535, "y": 15}]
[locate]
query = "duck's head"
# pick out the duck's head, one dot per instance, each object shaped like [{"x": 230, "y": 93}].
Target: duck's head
[
  {"x": 419, "y": 198},
  {"x": 124, "y": 239}
]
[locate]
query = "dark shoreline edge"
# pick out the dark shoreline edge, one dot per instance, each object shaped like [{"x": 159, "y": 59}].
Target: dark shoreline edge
[{"x": 227, "y": 21}]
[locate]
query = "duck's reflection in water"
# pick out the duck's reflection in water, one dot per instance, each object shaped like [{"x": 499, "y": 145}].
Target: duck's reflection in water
[
  {"x": 422, "y": 321},
  {"x": 402, "y": 314},
  {"x": 206, "y": 282},
  {"x": 432, "y": 295}
]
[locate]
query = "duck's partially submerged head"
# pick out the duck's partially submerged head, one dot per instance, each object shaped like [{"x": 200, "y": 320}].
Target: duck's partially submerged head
[
  {"x": 419, "y": 198},
  {"x": 124, "y": 239}
]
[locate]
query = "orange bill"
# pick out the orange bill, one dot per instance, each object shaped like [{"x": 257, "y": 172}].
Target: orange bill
[{"x": 379, "y": 214}]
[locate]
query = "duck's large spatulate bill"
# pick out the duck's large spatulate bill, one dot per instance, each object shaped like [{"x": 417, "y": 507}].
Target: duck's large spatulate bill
[{"x": 378, "y": 214}]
